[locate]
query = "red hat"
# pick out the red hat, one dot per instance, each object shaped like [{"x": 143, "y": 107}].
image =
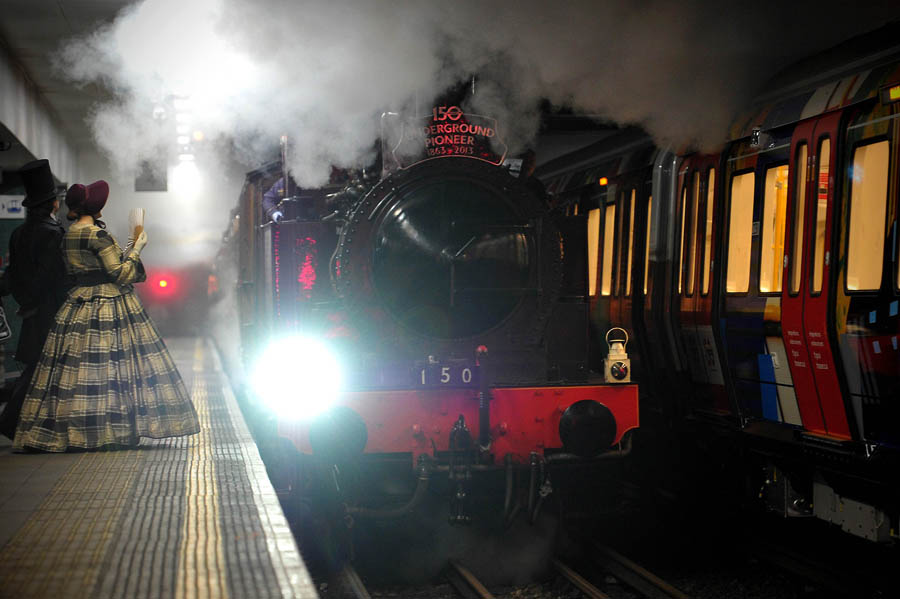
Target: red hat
[{"x": 87, "y": 199}]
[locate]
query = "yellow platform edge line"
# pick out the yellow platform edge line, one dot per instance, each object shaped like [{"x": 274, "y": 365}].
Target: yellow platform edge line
[{"x": 201, "y": 559}]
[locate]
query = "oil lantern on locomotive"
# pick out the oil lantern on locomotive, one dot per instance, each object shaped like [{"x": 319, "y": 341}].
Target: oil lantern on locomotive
[{"x": 617, "y": 366}]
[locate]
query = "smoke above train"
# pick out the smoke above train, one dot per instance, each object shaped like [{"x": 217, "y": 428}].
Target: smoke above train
[
  {"x": 321, "y": 71},
  {"x": 204, "y": 90}
]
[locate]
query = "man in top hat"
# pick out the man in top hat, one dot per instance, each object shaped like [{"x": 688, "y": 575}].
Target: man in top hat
[{"x": 36, "y": 277}]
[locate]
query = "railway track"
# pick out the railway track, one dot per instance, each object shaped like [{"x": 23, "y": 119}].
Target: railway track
[
  {"x": 578, "y": 581},
  {"x": 634, "y": 575},
  {"x": 351, "y": 585},
  {"x": 602, "y": 573},
  {"x": 642, "y": 582},
  {"x": 465, "y": 583}
]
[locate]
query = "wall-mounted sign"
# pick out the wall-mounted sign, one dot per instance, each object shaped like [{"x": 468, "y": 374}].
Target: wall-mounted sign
[
  {"x": 11, "y": 207},
  {"x": 447, "y": 131}
]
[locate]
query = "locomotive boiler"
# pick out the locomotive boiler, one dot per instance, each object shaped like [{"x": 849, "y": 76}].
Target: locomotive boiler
[{"x": 423, "y": 328}]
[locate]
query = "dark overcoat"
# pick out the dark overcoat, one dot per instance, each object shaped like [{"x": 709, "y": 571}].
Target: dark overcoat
[{"x": 37, "y": 280}]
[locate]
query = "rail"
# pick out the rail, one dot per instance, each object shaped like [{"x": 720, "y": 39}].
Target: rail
[
  {"x": 465, "y": 583},
  {"x": 351, "y": 584},
  {"x": 578, "y": 581},
  {"x": 634, "y": 575}
]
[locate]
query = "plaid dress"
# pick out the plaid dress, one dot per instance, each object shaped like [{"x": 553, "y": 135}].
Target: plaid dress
[{"x": 105, "y": 377}]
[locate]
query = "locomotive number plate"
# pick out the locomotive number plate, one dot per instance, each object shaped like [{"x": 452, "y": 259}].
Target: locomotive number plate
[{"x": 453, "y": 373}]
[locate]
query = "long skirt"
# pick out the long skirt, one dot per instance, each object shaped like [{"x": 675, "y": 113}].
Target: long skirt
[{"x": 105, "y": 378}]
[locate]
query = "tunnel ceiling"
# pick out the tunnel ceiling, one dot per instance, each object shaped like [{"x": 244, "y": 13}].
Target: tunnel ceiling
[{"x": 30, "y": 33}]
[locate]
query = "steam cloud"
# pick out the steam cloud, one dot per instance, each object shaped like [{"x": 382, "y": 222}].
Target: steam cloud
[{"x": 322, "y": 72}]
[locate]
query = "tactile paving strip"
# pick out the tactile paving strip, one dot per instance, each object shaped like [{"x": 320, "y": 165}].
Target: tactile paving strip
[{"x": 190, "y": 518}]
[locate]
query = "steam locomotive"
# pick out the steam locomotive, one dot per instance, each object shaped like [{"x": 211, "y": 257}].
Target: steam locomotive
[
  {"x": 761, "y": 282},
  {"x": 424, "y": 328}
]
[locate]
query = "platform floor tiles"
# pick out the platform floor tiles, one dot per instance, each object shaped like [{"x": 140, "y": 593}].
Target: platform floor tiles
[{"x": 191, "y": 518}]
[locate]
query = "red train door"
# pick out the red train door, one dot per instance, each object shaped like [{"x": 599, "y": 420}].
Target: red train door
[
  {"x": 819, "y": 291},
  {"x": 793, "y": 293},
  {"x": 806, "y": 288}
]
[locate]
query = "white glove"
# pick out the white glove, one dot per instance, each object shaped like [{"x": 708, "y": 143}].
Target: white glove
[
  {"x": 140, "y": 242},
  {"x": 277, "y": 216}
]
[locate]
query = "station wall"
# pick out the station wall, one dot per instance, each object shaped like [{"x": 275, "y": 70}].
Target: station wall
[{"x": 23, "y": 112}]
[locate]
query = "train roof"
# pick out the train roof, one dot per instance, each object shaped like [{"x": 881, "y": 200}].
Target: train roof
[
  {"x": 621, "y": 152},
  {"x": 849, "y": 73}
]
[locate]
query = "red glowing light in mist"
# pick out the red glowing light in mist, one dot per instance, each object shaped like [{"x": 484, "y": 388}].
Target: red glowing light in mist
[{"x": 163, "y": 285}]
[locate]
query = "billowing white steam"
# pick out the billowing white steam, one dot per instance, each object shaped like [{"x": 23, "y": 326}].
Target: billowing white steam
[
  {"x": 246, "y": 72},
  {"x": 321, "y": 71}
]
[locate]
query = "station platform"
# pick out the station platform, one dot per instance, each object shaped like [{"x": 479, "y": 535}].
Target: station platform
[{"x": 192, "y": 517}]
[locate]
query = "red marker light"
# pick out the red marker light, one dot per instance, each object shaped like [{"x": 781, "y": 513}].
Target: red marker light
[
  {"x": 164, "y": 286},
  {"x": 603, "y": 181}
]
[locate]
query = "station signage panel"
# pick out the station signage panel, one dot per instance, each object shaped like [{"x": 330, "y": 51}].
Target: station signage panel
[{"x": 11, "y": 207}]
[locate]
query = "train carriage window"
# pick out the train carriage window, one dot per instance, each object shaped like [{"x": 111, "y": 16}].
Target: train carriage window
[
  {"x": 695, "y": 207},
  {"x": 771, "y": 255},
  {"x": 647, "y": 244},
  {"x": 593, "y": 225},
  {"x": 630, "y": 243},
  {"x": 681, "y": 239},
  {"x": 799, "y": 215},
  {"x": 740, "y": 233},
  {"x": 708, "y": 229},
  {"x": 821, "y": 213},
  {"x": 868, "y": 206},
  {"x": 609, "y": 233}
]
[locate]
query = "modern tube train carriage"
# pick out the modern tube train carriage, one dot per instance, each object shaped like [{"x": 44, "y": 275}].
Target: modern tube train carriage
[
  {"x": 762, "y": 284},
  {"x": 455, "y": 305}
]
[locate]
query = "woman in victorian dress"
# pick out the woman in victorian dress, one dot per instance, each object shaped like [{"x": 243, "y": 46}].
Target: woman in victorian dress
[{"x": 105, "y": 377}]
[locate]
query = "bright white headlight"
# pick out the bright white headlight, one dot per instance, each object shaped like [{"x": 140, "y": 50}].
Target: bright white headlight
[{"x": 297, "y": 377}]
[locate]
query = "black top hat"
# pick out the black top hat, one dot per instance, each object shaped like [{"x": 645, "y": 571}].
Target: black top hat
[{"x": 38, "y": 181}]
